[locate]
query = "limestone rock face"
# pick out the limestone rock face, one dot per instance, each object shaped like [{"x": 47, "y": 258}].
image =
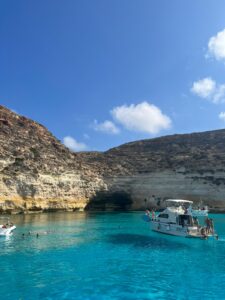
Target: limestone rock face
[
  {"x": 188, "y": 166},
  {"x": 37, "y": 172}
]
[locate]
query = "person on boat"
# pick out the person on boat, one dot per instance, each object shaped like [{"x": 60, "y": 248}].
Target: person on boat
[
  {"x": 196, "y": 222},
  {"x": 207, "y": 223},
  {"x": 203, "y": 233},
  {"x": 147, "y": 212},
  {"x": 211, "y": 225},
  {"x": 153, "y": 214},
  {"x": 189, "y": 209}
]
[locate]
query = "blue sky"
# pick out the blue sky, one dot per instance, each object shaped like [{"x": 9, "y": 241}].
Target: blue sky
[{"x": 102, "y": 73}]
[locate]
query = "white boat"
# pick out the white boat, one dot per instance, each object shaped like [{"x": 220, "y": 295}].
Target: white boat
[
  {"x": 7, "y": 228},
  {"x": 178, "y": 219}
]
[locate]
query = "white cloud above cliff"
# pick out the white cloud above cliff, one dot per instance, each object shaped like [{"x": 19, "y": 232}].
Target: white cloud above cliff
[
  {"x": 73, "y": 144},
  {"x": 106, "y": 127},
  {"x": 222, "y": 116},
  {"x": 204, "y": 88},
  {"x": 142, "y": 117},
  {"x": 207, "y": 88},
  {"x": 216, "y": 46}
]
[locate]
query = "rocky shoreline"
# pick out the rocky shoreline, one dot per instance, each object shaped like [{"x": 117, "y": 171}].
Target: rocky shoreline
[{"x": 75, "y": 211}]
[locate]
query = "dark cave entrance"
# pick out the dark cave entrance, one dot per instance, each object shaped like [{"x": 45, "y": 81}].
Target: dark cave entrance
[{"x": 110, "y": 201}]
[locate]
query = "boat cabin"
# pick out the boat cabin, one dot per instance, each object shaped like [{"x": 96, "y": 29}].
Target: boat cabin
[
  {"x": 185, "y": 220},
  {"x": 176, "y": 212}
]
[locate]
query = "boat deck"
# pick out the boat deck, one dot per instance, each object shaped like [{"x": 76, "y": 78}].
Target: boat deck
[{"x": 199, "y": 235}]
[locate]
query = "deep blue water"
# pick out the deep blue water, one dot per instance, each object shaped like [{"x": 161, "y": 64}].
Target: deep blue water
[{"x": 108, "y": 256}]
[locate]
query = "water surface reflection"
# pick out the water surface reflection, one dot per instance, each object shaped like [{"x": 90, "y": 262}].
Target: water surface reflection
[{"x": 36, "y": 232}]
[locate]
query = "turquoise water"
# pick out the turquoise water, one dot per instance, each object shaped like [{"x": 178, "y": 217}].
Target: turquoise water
[{"x": 108, "y": 256}]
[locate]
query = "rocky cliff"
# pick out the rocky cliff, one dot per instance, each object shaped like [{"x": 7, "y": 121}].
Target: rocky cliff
[
  {"x": 188, "y": 166},
  {"x": 37, "y": 173}
]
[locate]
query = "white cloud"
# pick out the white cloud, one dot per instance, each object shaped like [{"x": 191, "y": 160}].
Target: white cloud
[
  {"x": 106, "y": 126},
  {"x": 73, "y": 145},
  {"x": 204, "y": 88},
  {"x": 222, "y": 116},
  {"x": 219, "y": 95},
  {"x": 207, "y": 88},
  {"x": 143, "y": 117},
  {"x": 216, "y": 45}
]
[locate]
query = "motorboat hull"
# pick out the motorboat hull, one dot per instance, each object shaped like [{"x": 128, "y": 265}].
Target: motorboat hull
[
  {"x": 177, "y": 230},
  {"x": 172, "y": 229}
]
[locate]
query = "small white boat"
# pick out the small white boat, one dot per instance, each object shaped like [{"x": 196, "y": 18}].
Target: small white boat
[
  {"x": 7, "y": 228},
  {"x": 179, "y": 219}
]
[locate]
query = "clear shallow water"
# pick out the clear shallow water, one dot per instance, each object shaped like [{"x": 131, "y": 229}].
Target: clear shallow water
[{"x": 108, "y": 256}]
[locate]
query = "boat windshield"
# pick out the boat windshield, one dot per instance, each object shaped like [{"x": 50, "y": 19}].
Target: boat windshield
[{"x": 178, "y": 202}]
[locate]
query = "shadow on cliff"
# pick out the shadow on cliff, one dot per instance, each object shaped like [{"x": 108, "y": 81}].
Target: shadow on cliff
[
  {"x": 112, "y": 201},
  {"x": 25, "y": 190},
  {"x": 142, "y": 241}
]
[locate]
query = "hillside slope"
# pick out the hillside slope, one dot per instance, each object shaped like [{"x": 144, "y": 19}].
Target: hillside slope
[
  {"x": 178, "y": 166},
  {"x": 37, "y": 172}
]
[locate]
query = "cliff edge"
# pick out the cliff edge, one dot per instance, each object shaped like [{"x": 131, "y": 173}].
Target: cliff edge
[
  {"x": 185, "y": 166},
  {"x": 38, "y": 173}
]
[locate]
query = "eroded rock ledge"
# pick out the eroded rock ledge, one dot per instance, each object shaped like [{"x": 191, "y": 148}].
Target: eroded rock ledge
[{"x": 37, "y": 173}]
